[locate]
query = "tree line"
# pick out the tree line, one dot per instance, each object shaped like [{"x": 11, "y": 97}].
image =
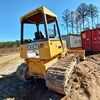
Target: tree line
[
  {"x": 10, "y": 44},
  {"x": 83, "y": 18}
]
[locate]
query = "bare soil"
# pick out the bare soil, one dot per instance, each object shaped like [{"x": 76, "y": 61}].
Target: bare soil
[
  {"x": 11, "y": 88},
  {"x": 8, "y": 51},
  {"x": 84, "y": 82}
]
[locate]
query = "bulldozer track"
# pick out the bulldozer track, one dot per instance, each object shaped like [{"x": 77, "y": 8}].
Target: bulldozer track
[{"x": 58, "y": 74}]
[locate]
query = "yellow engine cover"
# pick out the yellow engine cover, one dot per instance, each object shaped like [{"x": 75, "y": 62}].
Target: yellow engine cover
[
  {"x": 39, "y": 56},
  {"x": 42, "y": 50}
]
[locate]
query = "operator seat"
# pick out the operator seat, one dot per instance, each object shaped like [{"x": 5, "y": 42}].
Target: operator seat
[{"x": 39, "y": 35}]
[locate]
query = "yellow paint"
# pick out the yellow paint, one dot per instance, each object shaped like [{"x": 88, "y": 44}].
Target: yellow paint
[
  {"x": 95, "y": 38},
  {"x": 48, "y": 55},
  {"x": 23, "y": 51},
  {"x": 55, "y": 47},
  {"x": 42, "y": 9},
  {"x": 45, "y": 51},
  {"x": 48, "y": 50},
  {"x": 40, "y": 66},
  {"x": 84, "y": 36}
]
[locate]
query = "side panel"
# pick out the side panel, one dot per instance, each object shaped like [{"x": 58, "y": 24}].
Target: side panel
[
  {"x": 55, "y": 47},
  {"x": 99, "y": 39},
  {"x": 83, "y": 39},
  {"x": 50, "y": 49},
  {"x": 94, "y": 40},
  {"x": 41, "y": 50},
  {"x": 75, "y": 41},
  {"x": 37, "y": 68},
  {"x": 44, "y": 50},
  {"x": 23, "y": 51},
  {"x": 67, "y": 39},
  {"x": 72, "y": 40},
  {"x": 86, "y": 40}
]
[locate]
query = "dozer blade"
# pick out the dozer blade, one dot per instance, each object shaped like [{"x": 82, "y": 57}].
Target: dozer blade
[{"x": 58, "y": 74}]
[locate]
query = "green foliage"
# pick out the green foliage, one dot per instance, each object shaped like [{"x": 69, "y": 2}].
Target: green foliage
[{"x": 10, "y": 44}]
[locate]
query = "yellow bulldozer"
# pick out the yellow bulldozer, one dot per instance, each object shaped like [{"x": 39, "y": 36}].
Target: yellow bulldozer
[{"x": 46, "y": 55}]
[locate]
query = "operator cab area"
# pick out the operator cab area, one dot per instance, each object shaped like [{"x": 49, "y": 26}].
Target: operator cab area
[
  {"x": 39, "y": 25},
  {"x": 40, "y": 35}
]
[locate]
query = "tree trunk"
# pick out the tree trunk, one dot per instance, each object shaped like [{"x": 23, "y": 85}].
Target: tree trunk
[
  {"x": 67, "y": 27},
  {"x": 72, "y": 28},
  {"x": 80, "y": 27},
  {"x": 72, "y": 23},
  {"x": 92, "y": 22},
  {"x": 77, "y": 27},
  {"x": 83, "y": 23}
]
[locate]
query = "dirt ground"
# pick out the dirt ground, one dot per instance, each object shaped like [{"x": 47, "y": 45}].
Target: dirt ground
[
  {"x": 8, "y": 51},
  {"x": 11, "y": 88},
  {"x": 84, "y": 83},
  {"x": 85, "y": 80}
]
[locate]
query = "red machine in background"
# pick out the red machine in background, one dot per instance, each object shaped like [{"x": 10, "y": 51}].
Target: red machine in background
[{"x": 91, "y": 40}]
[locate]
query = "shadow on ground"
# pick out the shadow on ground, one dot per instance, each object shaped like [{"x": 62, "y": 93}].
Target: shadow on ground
[
  {"x": 12, "y": 87},
  {"x": 88, "y": 53}
]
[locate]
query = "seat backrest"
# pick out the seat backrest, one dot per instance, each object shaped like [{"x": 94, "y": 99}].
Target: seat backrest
[{"x": 39, "y": 35}]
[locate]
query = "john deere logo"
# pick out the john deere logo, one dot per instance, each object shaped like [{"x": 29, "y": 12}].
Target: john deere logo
[{"x": 33, "y": 46}]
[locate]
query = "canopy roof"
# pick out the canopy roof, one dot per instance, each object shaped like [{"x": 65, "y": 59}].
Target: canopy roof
[{"x": 36, "y": 16}]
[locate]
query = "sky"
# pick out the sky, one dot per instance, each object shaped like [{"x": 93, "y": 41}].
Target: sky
[{"x": 12, "y": 10}]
